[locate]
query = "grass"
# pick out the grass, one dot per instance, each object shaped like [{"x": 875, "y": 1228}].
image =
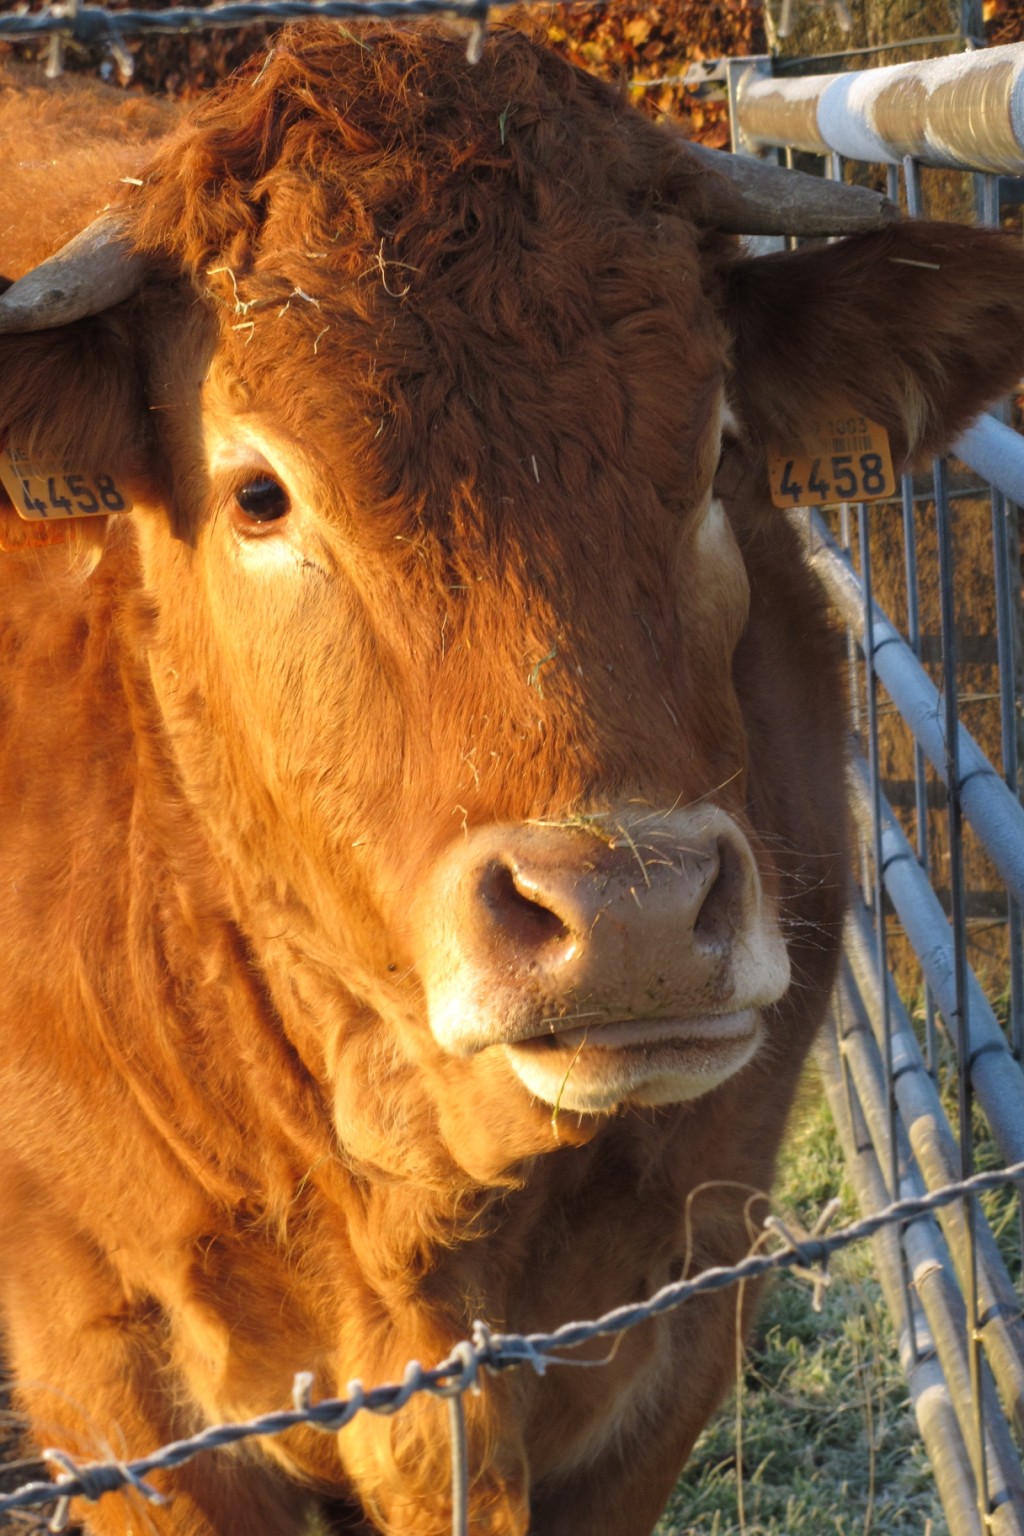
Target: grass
[{"x": 828, "y": 1442}]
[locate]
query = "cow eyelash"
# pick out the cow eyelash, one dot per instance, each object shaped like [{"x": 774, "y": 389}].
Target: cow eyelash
[
  {"x": 262, "y": 501},
  {"x": 729, "y": 440}
]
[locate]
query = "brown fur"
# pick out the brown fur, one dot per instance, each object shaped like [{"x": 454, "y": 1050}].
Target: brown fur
[
  {"x": 68, "y": 145},
  {"x": 475, "y": 312}
]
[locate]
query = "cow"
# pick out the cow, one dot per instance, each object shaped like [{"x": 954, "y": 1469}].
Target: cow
[{"x": 424, "y": 841}]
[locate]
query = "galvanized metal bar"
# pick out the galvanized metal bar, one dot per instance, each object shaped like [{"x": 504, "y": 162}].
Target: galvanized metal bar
[
  {"x": 1007, "y": 590},
  {"x": 965, "y": 111},
  {"x": 460, "y": 1465},
  {"x": 912, "y": 188},
  {"x": 935, "y": 1284},
  {"x": 1006, "y": 652},
  {"x": 929, "y": 1393},
  {"x": 920, "y": 779},
  {"x": 972, "y": 22},
  {"x": 874, "y": 771},
  {"x": 937, "y": 1156},
  {"x": 1006, "y": 584},
  {"x": 997, "y": 1076},
  {"x": 996, "y": 451},
  {"x": 960, "y": 1021},
  {"x": 995, "y": 814},
  {"x": 854, "y": 674},
  {"x": 807, "y": 528},
  {"x": 797, "y": 65},
  {"x": 878, "y": 901},
  {"x": 912, "y": 183},
  {"x": 1006, "y": 643}
]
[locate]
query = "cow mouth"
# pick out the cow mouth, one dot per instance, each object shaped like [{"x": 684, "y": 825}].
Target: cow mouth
[{"x": 642, "y": 1061}]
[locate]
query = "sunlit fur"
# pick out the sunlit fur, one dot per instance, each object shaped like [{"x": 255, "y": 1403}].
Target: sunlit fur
[
  {"x": 67, "y": 145},
  {"x": 470, "y": 317}
]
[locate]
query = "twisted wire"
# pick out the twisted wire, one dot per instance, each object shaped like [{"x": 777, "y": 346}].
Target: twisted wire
[
  {"x": 96, "y": 24},
  {"x": 460, "y": 1372}
]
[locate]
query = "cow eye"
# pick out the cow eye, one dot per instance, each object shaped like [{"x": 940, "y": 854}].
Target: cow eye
[
  {"x": 263, "y": 500},
  {"x": 729, "y": 442}
]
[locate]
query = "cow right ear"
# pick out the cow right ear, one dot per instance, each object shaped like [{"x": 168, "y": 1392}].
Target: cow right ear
[
  {"x": 74, "y": 437},
  {"x": 917, "y": 328}
]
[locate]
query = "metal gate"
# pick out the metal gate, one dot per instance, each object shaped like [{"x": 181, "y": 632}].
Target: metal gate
[{"x": 921, "y": 1060}]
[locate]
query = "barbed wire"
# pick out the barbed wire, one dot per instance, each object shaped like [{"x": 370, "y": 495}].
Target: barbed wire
[
  {"x": 97, "y": 24},
  {"x": 484, "y": 1350}
]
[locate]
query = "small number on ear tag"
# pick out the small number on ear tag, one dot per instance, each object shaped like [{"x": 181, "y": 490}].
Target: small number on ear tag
[
  {"x": 845, "y": 458},
  {"x": 50, "y": 493}
]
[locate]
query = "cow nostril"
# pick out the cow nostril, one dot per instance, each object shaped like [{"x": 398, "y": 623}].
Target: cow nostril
[
  {"x": 527, "y": 923},
  {"x": 720, "y": 916}
]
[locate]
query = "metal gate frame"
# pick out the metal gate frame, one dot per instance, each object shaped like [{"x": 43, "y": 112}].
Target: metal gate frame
[{"x": 955, "y": 1308}]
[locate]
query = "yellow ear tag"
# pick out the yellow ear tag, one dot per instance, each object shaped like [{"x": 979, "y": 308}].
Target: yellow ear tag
[
  {"x": 842, "y": 458},
  {"x": 47, "y": 493}
]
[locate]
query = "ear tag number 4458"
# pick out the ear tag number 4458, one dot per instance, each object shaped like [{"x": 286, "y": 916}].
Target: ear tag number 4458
[
  {"x": 841, "y": 459},
  {"x": 44, "y": 492}
]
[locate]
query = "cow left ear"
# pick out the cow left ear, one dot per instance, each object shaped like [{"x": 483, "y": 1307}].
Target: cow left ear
[
  {"x": 917, "y": 327},
  {"x": 74, "y": 433}
]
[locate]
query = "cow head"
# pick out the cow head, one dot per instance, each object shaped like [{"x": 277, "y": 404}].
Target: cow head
[{"x": 419, "y": 392}]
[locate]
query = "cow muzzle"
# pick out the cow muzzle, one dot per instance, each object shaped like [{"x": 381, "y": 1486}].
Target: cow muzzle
[{"x": 625, "y": 958}]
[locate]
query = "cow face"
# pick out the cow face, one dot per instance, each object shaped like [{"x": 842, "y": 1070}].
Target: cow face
[{"x": 503, "y": 790}]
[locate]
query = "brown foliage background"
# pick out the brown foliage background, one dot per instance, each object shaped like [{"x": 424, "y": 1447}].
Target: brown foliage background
[
  {"x": 636, "y": 42},
  {"x": 655, "y": 43},
  {"x": 1004, "y": 21},
  {"x": 647, "y": 44}
]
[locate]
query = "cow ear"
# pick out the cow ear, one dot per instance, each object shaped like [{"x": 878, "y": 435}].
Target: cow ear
[
  {"x": 917, "y": 327},
  {"x": 74, "y": 436}
]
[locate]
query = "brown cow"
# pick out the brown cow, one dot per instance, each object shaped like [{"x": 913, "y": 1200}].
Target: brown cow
[{"x": 424, "y": 845}]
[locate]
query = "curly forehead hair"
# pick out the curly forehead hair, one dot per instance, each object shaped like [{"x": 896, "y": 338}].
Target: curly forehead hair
[
  {"x": 455, "y": 240},
  {"x": 372, "y": 121}
]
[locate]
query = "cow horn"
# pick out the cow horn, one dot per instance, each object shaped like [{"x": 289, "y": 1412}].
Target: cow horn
[
  {"x": 748, "y": 197},
  {"x": 95, "y": 270},
  {"x": 91, "y": 273}
]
